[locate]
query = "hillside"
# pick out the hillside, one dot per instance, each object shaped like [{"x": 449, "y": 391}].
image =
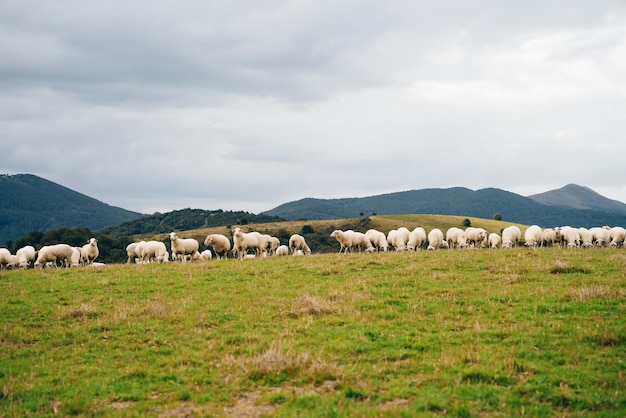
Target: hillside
[
  {"x": 457, "y": 201},
  {"x": 31, "y": 203},
  {"x": 579, "y": 197}
]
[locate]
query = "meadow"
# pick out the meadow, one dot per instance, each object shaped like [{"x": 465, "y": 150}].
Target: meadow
[{"x": 454, "y": 333}]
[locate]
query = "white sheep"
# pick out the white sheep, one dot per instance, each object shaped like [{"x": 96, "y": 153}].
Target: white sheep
[
  {"x": 130, "y": 252},
  {"x": 510, "y": 236},
  {"x": 435, "y": 239},
  {"x": 399, "y": 238},
  {"x": 181, "y": 247},
  {"x": 417, "y": 238},
  {"x": 456, "y": 237},
  {"x": 297, "y": 242},
  {"x": 344, "y": 238},
  {"x": 586, "y": 237},
  {"x": 618, "y": 236},
  {"x": 362, "y": 243},
  {"x": 533, "y": 236},
  {"x": 154, "y": 251},
  {"x": 206, "y": 255},
  {"x": 273, "y": 244},
  {"x": 571, "y": 236},
  {"x": 76, "y": 257},
  {"x": 220, "y": 244},
  {"x": 282, "y": 250},
  {"x": 26, "y": 256},
  {"x": 476, "y": 237},
  {"x": 494, "y": 240},
  {"x": 378, "y": 239},
  {"x": 54, "y": 253},
  {"x": 89, "y": 252},
  {"x": 242, "y": 242},
  {"x": 601, "y": 236},
  {"x": 139, "y": 247},
  {"x": 551, "y": 236},
  {"x": 5, "y": 258}
]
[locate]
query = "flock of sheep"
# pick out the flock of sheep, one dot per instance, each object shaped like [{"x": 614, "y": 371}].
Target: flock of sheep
[{"x": 255, "y": 244}]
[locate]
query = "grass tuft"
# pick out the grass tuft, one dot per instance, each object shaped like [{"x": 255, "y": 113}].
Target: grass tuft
[
  {"x": 595, "y": 292},
  {"x": 82, "y": 311},
  {"x": 309, "y": 306},
  {"x": 560, "y": 267}
]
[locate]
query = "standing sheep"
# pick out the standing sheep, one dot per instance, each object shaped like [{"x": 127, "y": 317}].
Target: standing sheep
[
  {"x": 476, "y": 237},
  {"x": 586, "y": 237},
  {"x": 5, "y": 258},
  {"x": 435, "y": 239},
  {"x": 456, "y": 237},
  {"x": 181, "y": 247},
  {"x": 533, "y": 236},
  {"x": 154, "y": 251},
  {"x": 344, "y": 238},
  {"x": 26, "y": 256},
  {"x": 54, "y": 253},
  {"x": 89, "y": 252},
  {"x": 378, "y": 239},
  {"x": 417, "y": 238},
  {"x": 297, "y": 242},
  {"x": 551, "y": 236},
  {"x": 494, "y": 240},
  {"x": 618, "y": 236},
  {"x": 510, "y": 236},
  {"x": 399, "y": 238},
  {"x": 220, "y": 244},
  {"x": 242, "y": 242},
  {"x": 76, "y": 257}
]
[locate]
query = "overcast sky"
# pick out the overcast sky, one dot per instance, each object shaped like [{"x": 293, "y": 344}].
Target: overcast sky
[{"x": 163, "y": 105}]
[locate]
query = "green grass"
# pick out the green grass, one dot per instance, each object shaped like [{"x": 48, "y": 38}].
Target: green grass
[{"x": 460, "y": 333}]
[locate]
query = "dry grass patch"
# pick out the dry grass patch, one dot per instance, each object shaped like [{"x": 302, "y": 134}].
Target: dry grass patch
[
  {"x": 308, "y": 305},
  {"x": 561, "y": 267},
  {"x": 160, "y": 309},
  {"x": 595, "y": 292},
  {"x": 82, "y": 311}
]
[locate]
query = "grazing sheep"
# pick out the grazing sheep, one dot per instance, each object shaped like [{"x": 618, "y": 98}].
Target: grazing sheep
[
  {"x": 618, "y": 236},
  {"x": 139, "y": 251},
  {"x": 362, "y": 243},
  {"x": 601, "y": 236},
  {"x": 435, "y": 239},
  {"x": 533, "y": 236},
  {"x": 551, "y": 236},
  {"x": 297, "y": 242},
  {"x": 272, "y": 246},
  {"x": 586, "y": 238},
  {"x": 378, "y": 239},
  {"x": 456, "y": 237},
  {"x": 399, "y": 238},
  {"x": 89, "y": 252},
  {"x": 494, "y": 240},
  {"x": 131, "y": 252},
  {"x": 571, "y": 236},
  {"x": 417, "y": 238},
  {"x": 242, "y": 242},
  {"x": 476, "y": 237},
  {"x": 282, "y": 250},
  {"x": 510, "y": 236},
  {"x": 25, "y": 256},
  {"x": 220, "y": 244},
  {"x": 75, "y": 260},
  {"x": 54, "y": 253},
  {"x": 181, "y": 247},
  {"x": 154, "y": 251},
  {"x": 206, "y": 255},
  {"x": 5, "y": 258},
  {"x": 344, "y": 238}
]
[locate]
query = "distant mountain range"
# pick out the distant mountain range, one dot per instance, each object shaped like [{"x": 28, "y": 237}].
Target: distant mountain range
[
  {"x": 571, "y": 205},
  {"x": 30, "y": 203}
]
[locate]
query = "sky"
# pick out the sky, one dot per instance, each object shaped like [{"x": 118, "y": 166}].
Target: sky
[{"x": 164, "y": 105}]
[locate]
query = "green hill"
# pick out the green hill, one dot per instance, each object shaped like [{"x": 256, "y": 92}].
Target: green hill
[
  {"x": 31, "y": 203},
  {"x": 579, "y": 197}
]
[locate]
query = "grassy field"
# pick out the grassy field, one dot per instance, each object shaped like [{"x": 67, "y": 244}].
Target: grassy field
[{"x": 459, "y": 333}]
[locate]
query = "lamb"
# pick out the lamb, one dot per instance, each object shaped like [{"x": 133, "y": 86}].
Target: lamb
[
  {"x": 242, "y": 242},
  {"x": 26, "y": 256},
  {"x": 618, "y": 236},
  {"x": 154, "y": 251},
  {"x": 282, "y": 250},
  {"x": 297, "y": 242},
  {"x": 476, "y": 237},
  {"x": 206, "y": 255},
  {"x": 533, "y": 236},
  {"x": 456, "y": 237},
  {"x": 5, "y": 258},
  {"x": 417, "y": 238},
  {"x": 494, "y": 240},
  {"x": 378, "y": 239},
  {"x": 344, "y": 238},
  {"x": 510, "y": 236},
  {"x": 89, "y": 252},
  {"x": 220, "y": 244},
  {"x": 54, "y": 253},
  {"x": 586, "y": 238},
  {"x": 181, "y": 247},
  {"x": 435, "y": 239}
]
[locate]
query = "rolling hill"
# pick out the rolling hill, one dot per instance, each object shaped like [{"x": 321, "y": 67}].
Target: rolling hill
[
  {"x": 31, "y": 203},
  {"x": 579, "y": 197},
  {"x": 483, "y": 203}
]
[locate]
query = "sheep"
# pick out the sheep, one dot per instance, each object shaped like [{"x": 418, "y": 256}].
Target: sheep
[
  {"x": 89, "y": 252},
  {"x": 435, "y": 239},
  {"x": 5, "y": 258},
  {"x": 476, "y": 237},
  {"x": 297, "y": 242},
  {"x": 417, "y": 238},
  {"x": 282, "y": 250},
  {"x": 586, "y": 238},
  {"x": 551, "y": 236},
  {"x": 344, "y": 238},
  {"x": 139, "y": 247},
  {"x": 272, "y": 245},
  {"x": 76, "y": 257},
  {"x": 154, "y": 251},
  {"x": 399, "y": 238},
  {"x": 456, "y": 237},
  {"x": 130, "y": 252},
  {"x": 510, "y": 236},
  {"x": 618, "y": 235},
  {"x": 183, "y": 246},
  {"x": 26, "y": 256},
  {"x": 494, "y": 240},
  {"x": 54, "y": 253},
  {"x": 362, "y": 242},
  {"x": 533, "y": 236},
  {"x": 601, "y": 236},
  {"x": 242, "y": 242},
  {"x": 220, "y": 244},
  {"x": 378, "y": 239},
  {"x": 206, "y": 255},
  {"x": 571, "y": 236}
]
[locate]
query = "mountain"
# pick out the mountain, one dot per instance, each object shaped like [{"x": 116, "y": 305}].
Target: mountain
[
  {"x": 579, "y": 197},
  {"x": 31, "y": 203},
  {"x": 484, "y": 203}
]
